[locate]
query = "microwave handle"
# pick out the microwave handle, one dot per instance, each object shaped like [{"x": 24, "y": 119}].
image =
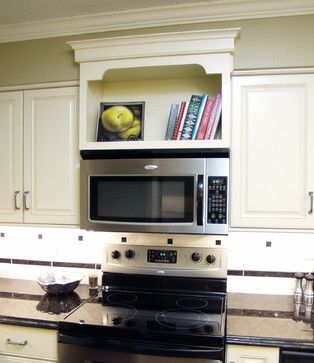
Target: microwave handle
[{"x": 199, "y": 200}]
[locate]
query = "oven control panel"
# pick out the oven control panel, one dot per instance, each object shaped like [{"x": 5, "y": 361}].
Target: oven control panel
[
  {"x": 162, "y": 256},
  {"x": 172, "y": 260}
]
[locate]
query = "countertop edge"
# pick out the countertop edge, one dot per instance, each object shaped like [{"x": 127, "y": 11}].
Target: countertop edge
[
  {"x": 269, "y": 342},
  {"x": 32, "y": 323}
]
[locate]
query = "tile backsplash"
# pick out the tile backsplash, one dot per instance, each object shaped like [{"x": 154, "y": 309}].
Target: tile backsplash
[{"x": 258, "y": 262}]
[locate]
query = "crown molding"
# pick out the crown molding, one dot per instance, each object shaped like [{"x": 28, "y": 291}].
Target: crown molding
[
  {"x": 200, "y": 12},
  {"x": 148, "y": 45}
]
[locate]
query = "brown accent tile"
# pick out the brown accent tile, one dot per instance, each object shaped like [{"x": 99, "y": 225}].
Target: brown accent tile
[
  {"x": 5, "y": 294},
  {"x": 269, "y": 274},
  {"x": 80, "y": 238},
  {"x": 5, "y": 260},
  {"x": 2, "y": 234},
  {"x": 98, "y": 266},
  {"x": 235, "y": 272},
  {"x": 73, "y": 264},
  {"x": 30, "y": 262}
]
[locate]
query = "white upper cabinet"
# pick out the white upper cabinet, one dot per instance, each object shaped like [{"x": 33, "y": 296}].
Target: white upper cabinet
[
  {"x": 40, "y": 156},
  {"x": 158, "y": 69},
  {"x": 11, "y": 156},
  {"x": 273, "y": 151}
]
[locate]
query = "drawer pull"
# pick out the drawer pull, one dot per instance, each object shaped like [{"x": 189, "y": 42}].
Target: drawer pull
[
  {"x": 311, "y": 203},
  {"x": 11, "y": 342},
  {"x": 16, "y": 205},
  {"x": 25, "y": 200}
]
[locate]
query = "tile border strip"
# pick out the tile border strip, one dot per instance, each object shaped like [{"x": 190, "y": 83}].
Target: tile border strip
[
  {"x": 251, "y": 273},
  {"x": 16, "y": 261}
]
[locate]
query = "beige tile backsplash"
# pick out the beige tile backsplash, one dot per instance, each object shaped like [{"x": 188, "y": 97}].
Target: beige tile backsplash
[{"x": 289, "y": 252}]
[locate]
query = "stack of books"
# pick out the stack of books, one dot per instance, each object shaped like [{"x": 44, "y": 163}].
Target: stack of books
[{"x": 195, "y": 120}]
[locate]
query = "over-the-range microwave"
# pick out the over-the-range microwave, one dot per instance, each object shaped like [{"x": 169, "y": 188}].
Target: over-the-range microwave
[{"x": 166, "y": 195}]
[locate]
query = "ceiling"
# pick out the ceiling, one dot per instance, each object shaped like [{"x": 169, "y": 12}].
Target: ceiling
[{"x": 35, "y": 19}]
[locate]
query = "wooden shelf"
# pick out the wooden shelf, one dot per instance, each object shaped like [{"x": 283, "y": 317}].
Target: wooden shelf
[{"x": 158, "y": 69}]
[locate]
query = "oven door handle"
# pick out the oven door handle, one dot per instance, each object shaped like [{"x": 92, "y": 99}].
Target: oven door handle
[
  {"x": 199, "y": 200},
  {"x": 140, "y": 347}
]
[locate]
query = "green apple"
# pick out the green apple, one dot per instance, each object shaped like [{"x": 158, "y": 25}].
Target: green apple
[
  {"x": 117, "y": 119},
  {"x": 135, "y": 130}
]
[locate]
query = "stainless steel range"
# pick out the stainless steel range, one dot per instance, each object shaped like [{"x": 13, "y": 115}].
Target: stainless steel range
[{"x": 156, "y": 304}]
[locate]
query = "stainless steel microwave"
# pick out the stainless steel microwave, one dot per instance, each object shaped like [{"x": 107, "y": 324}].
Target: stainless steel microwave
[{"x": 166, "y": 195}]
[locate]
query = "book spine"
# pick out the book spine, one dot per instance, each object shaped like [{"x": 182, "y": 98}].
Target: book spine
[
  {"x": 199, "y": 116},
  {"x": 191, "y": 117},
  {"x": 182, "y": 122},
  {"x": 172, "y": 120},
  {"x": 212, "y": 117},
  {"x": 205, "y": 119},
  {"x": 179, "y": 120},
  {"x": 216, "y": 122}
]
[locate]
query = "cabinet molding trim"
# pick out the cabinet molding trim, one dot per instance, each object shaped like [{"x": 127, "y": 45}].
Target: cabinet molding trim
[
  {"x": 153, "y": 45},
  {"x": 272, "y": 71},
  {"x": 24, "y": 87},
  {"x": 201, "y": 12}
]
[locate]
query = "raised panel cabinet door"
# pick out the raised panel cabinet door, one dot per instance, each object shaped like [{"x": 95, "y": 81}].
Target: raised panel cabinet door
[
  {"x": 272, "y": 151},
  {"x": 51, "y": 156},
  {"x": 252, "y": 354},
  {"x": 31, "y": 344},
  {"x": 11, "y": 156}
]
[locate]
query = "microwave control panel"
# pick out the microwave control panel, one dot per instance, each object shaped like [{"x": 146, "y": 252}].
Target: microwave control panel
[{"x": 217, "y": 199}]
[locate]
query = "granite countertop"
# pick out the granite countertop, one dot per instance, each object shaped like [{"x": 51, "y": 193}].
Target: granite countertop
[
  {"x": 252, "y": 319},
  {"x": 23, "y": 302},
  {"x": 269, "y": 320}
]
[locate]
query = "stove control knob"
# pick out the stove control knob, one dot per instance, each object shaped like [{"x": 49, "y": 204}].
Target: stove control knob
[
  {"x": 196, "y": 257},
  {"x": 210, "y": 259},
  {"x": 129, "y": 254},
  {"x": 115, "y": 255}
]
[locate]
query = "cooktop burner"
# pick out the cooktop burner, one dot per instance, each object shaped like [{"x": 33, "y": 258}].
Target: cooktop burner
[{"x": 123, "y": 298}]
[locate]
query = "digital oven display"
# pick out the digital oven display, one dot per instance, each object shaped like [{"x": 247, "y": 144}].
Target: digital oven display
[{"x": 162, "y": 256}]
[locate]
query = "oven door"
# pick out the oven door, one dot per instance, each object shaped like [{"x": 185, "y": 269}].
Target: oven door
[
  {"x": 287, "y": 356},
  {"x": 88, "y": 354},
  {"x": 145, "y": 195}
]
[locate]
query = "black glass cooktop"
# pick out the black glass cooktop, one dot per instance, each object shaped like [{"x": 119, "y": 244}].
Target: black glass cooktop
[{"x": 151, "y": 316}]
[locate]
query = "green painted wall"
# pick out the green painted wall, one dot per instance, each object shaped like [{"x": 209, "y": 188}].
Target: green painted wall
[{"x": 263, "y": 43}]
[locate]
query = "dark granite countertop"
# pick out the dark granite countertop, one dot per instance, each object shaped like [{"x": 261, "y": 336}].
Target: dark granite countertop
[
  {"x": 267, "y": 320},
  {"x": 23, "y": 302}
]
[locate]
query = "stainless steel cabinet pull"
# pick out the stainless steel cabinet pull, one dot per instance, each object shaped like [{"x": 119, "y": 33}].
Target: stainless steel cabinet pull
[
  {"x": 311, "y": 203},
  {"x": 16, "y": 205},
  {"x": 22, "y": 343},
  {"x": 25, "y": 200}
]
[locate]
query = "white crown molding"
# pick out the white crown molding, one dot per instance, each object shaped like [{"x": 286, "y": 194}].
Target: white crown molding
[
  {"x": 148, "y": 45},
  {"x": 199, "y": 12},
  {"x": 272, "y": 71},
  {"x": 24, "y": 87}
]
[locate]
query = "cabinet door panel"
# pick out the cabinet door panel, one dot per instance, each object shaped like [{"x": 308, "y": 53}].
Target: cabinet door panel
[
  {"x": 51, "y": 156},
  {"x": 11, "y": 156},
  {"x": 252, "y": 354},
  {"x": 271, "y": 149}
]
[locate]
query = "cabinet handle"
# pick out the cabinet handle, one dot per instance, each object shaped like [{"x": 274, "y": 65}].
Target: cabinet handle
[
  {"x": 11, "y": 342},
  {"x": 16, "y": 205},
  {"x": 311, "y": 203},
  {"x": 25, "y": 200}
]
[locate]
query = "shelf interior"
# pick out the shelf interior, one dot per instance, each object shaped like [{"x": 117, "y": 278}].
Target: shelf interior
[{"x": 158, "y": 87}]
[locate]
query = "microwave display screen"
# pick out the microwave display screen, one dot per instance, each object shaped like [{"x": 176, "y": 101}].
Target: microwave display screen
[{"x": 156, "y": 199}]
